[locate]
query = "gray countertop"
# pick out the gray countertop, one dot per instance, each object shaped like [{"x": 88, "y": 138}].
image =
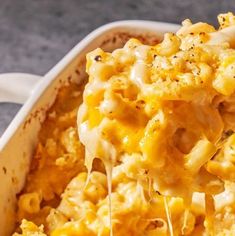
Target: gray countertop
[{"x": 34, "y": 35}]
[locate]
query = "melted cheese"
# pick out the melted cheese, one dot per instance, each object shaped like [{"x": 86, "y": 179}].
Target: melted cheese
[{"x": 168, "y": 215}]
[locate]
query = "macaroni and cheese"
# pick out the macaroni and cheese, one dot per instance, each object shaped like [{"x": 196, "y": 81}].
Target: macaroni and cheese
[{"x": 153, "y": 149}]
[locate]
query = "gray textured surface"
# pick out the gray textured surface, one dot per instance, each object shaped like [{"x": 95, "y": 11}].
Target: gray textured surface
[{"x": 35, "y": 34}]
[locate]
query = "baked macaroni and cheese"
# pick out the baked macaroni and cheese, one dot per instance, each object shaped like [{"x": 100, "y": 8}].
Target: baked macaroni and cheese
[{"x": 148, "y": 147}]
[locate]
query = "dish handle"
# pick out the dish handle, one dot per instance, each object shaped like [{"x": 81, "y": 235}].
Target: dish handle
[{"x": 17, "y": 87}]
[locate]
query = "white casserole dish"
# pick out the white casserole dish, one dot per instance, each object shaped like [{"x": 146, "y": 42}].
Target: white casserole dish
[{"x": 38, "y": 94}]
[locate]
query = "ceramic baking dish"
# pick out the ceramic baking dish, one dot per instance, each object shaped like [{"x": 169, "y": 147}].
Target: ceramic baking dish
[{"x": 38, "y": 94}]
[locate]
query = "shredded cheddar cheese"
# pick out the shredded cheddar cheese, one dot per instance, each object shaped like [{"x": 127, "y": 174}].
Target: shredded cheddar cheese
[{"x": 155, "y": 131}]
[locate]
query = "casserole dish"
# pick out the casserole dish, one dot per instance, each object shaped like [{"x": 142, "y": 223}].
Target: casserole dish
[{"x": 38, "y": 94}]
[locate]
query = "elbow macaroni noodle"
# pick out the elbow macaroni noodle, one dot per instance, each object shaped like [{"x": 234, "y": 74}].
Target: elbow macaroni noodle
[{"x": 156, "y": 135}]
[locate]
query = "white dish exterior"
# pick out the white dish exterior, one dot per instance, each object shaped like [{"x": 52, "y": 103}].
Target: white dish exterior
[{"x": 18, "y": 142}]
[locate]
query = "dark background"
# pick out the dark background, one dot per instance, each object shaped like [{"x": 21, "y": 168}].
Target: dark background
[{"x": 35, "y": 34}]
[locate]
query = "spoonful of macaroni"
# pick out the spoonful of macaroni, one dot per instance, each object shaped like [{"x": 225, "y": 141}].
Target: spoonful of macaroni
[{"x": 162, "y": 113}]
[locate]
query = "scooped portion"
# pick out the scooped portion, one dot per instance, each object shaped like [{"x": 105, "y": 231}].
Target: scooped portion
[
  {"x": 157, "y": 124},
  {"x": 165, "y": 104}
]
